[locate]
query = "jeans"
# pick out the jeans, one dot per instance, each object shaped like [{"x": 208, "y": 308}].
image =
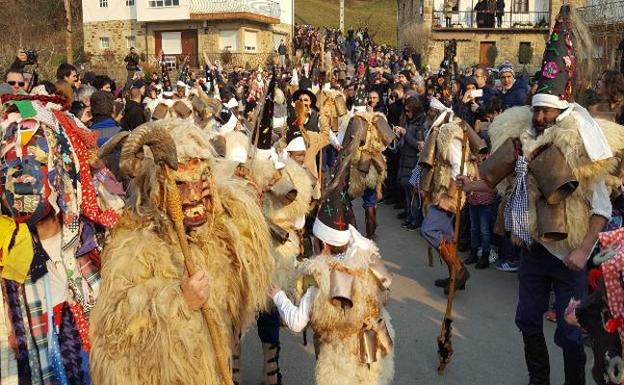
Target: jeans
[
  {"x": 369, "y": 198},
  {"x": 539, "y": 271},
  {"x": 438, "y": 225},
  {"x": 481, "y": 224}
]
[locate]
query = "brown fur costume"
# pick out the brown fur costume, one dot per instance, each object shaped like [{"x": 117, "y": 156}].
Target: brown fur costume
[
  {"x": 337, "y": 329},
  {"x": 142, "y": 331},
  {"x": 361, "y": 137},
  {"x": 442, "y": 173},
  {"x": 514, "y": 123}
]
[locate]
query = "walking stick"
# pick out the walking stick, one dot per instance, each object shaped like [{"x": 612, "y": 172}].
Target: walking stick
[
  {"x": 174, "y": 209},
  {"x": 445, "y": 348}
]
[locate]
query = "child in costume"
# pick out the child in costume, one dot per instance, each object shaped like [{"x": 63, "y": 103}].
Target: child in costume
[{"x": 344, "y": 304}]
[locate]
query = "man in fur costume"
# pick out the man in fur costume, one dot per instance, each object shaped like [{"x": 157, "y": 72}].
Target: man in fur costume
[
  {"x": 49, "y": 244},
  {"x": 344, "y": 303},
  {"x": 555, "y": 165},
  {"x": 148, "y": 329},
  {"x": 440, "y": 162}
]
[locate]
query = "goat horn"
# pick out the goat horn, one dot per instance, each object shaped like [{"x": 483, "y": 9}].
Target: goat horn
[{"x": 157, "y": 138}]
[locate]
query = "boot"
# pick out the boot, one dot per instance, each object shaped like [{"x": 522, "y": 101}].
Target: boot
[
  {"x": 236, "y": 373},
  {"x": 474, "y": 257},
  {"x": 574, "y": 366},
  {"x": 537, "y": 360},
  {"x": 272, "y": 374},
  {"x": 460, "y": 283},
  {"x": 370, "y": 218},
  {"x": 449, "y": 256},
  {"x": 483, "y": 262}
]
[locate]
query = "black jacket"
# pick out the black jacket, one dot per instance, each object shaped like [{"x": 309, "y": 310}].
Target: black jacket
[
  {"x": 409, "y": 149},
  {"x": 132, "y": 62},
  {"x": 134, "y": 115}
]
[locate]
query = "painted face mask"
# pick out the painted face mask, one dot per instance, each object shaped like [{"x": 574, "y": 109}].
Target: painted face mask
[{"x": 24, "y": 179}]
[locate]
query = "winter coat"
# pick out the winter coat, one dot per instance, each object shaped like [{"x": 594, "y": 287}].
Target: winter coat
[
  {"x": 134, "y": 115},
  {"x": 516, "y": 95},
  {"x": 408, "y": 148}
]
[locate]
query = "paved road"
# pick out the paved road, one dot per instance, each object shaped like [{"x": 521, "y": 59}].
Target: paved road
[{"x": 488, "y": 346}]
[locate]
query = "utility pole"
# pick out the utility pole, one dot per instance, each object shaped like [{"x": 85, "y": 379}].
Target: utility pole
[
  {"x": 342, "y": 16},
  {"x": 69, "y": 50}
]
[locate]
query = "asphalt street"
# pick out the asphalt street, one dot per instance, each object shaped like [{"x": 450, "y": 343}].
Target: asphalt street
[{"x": 488, "y": 346}]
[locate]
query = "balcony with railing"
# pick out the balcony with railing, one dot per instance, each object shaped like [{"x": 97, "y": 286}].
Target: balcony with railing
[
  {"x": 264, "y": 11},
  {"x": 482, "y": 21},
  {"x": 603, "y": 14}
]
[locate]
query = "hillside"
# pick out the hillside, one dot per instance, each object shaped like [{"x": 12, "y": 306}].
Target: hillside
[{"x": 378, "y": 15}]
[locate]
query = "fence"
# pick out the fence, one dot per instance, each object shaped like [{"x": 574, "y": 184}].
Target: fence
[{"x": 477, "y": 20}]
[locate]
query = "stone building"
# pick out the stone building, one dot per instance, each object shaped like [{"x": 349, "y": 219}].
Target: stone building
[
  {"x": 520, "y": 37},
  {"x": 243, "y": 32},
  {"x": 605, "y": 21}
]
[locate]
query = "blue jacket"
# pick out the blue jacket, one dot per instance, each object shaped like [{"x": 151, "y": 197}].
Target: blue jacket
[
  {"x": 106, "y": 128},
  {"x": 517, "y": 94}
]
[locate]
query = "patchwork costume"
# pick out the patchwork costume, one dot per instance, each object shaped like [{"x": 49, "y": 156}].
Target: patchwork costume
[{"x": 49, "y": 285}]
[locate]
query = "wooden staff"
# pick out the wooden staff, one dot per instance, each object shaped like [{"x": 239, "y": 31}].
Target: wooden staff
[
  {"x": 445, "y": 348},
  {"x": 174, "y": 209}
]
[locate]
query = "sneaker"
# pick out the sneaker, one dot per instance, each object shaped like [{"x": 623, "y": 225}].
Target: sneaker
[
  {"x": 411, "y": 227},
  {"x": 405, "y": 224},
  {"x": 493, "y": 256},
  {"x": 508, "y": 266}
]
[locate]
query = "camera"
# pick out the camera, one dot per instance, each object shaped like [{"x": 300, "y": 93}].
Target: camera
[{"x": 31, "y": 56}]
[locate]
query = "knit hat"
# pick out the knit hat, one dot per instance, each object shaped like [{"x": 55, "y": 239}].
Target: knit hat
[
  {"x": 102, "y": 103},
  {"x": 332, "y": 220},
  {"x": 555, "y": 84},
  {"x": 506, "y": 67}
]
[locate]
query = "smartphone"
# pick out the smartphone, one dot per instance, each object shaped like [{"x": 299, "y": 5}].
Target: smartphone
[{"x": 477, "y": 93}]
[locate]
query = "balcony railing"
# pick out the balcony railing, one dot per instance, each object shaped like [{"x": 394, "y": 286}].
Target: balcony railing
[
  {"x": 603, "y": 14},
  {"x": 264, "y": 8},
  {"x": 533, "y": 21}
]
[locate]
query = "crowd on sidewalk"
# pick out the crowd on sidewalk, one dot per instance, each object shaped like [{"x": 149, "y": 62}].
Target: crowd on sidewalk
[{"x": 85, "y": 159}]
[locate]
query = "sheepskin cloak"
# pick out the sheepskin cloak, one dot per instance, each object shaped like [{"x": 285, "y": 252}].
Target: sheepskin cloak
[
  {"x": 515, "y": 122},
  {"x": 142, "y": 331},
  {"x": 337, "y": 329}
]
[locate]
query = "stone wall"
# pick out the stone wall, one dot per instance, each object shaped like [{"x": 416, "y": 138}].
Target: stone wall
[
  {"x": 116, "y": 32},
  {"x": 468, "y": 47},
  {"x": 207, "y": 39}
]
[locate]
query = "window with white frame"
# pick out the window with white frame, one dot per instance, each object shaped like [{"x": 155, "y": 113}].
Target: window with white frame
[
  {"x": 228, "y": 40},
  {"x": 130, "y": 41},
  {"x": 104, "y": 43},
  {"x": 251, "y": 41},
  {"x": 129, "y": 3},
  {"x": 163, "y": 3},
  {"x": 103, "y": 3},
  {"x": 520, "y": 6}
]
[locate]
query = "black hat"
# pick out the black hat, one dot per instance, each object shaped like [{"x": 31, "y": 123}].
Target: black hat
[
  {"x": 300, "y": 92},
  {"x": 554, "y": 87},
  {"x": 265, "y": 128},
  {"x": 407, "y": 74},
  {"x": 332, "y": 220}
]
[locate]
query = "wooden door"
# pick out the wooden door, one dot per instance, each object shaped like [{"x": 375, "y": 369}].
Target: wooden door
[
  {"x": 485, "y": 54},
  {"x": 189, "y": 46}
]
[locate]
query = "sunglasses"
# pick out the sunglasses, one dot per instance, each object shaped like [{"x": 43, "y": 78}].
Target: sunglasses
[{"x": 13, "y": 83}]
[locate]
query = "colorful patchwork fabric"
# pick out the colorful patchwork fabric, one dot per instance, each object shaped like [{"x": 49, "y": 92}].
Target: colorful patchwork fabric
[
  {"x": 16, "y": 249},
  {"x": 89, "y": 205}
]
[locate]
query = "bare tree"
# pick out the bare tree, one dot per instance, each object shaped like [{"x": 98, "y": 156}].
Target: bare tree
[{"x": 68, "y": 33}]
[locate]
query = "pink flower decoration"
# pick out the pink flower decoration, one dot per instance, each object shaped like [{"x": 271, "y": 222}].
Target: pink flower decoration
[{"x": 550, "y": 70}]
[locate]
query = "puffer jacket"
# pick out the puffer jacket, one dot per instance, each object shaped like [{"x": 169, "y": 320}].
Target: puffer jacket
[{"x": 408, "y": 148}]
